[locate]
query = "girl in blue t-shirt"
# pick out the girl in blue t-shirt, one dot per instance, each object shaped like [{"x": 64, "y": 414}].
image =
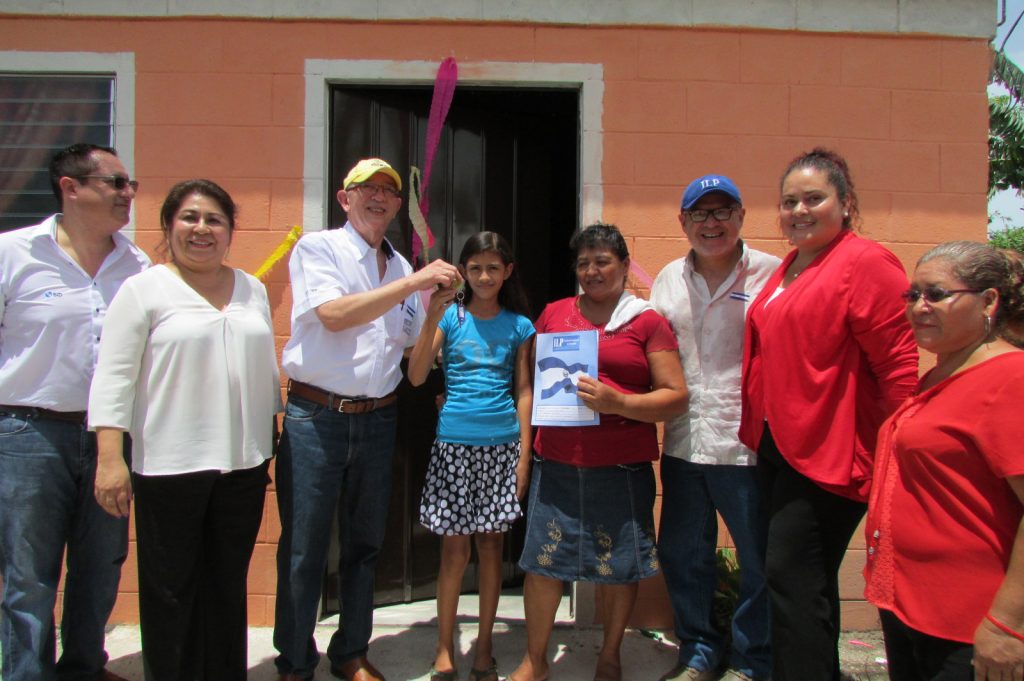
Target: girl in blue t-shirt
[{"x": 479, "y": 465}]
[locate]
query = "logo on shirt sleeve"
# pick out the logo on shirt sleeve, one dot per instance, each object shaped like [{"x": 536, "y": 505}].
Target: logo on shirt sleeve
[{"x": 408, "y": 316}]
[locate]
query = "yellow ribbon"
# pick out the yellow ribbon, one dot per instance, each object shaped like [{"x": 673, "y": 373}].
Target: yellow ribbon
[
  {"x": 419, "y": 223},
  {"x": 289, "y": 240}
]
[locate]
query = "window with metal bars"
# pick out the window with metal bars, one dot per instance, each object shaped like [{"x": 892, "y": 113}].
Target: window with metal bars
[{"x": 39, "y": 115}]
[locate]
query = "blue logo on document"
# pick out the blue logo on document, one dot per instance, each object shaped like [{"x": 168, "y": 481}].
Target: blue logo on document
[{"x": 565, "y": 343}]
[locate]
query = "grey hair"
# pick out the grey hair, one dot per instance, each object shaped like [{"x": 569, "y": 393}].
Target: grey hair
[{"x": 982, "y": 266}]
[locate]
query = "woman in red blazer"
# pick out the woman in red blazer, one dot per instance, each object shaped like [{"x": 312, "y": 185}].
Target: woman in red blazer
[{"x": 828, "y": 356}]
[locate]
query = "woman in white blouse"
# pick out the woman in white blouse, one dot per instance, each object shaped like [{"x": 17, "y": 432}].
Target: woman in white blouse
[{"x": 187, "y": 366}]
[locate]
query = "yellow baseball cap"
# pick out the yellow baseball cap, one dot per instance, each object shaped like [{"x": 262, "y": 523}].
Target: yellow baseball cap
[{"x": 366, "y": 169}]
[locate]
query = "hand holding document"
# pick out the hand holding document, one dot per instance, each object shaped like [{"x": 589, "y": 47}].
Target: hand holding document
[{"x": 561, "y": 359}]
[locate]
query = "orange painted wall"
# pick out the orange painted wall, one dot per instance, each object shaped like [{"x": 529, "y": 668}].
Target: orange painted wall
[{"x": 225, "y": 99}]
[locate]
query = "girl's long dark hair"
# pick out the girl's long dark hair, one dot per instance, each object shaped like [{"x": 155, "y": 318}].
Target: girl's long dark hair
[{"x": 512, "y": 296}]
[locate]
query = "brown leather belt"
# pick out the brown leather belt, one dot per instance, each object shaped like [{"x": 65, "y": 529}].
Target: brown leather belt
[
  {"x": 78, "y": 417},
  {"x": 341, "y": 403}
]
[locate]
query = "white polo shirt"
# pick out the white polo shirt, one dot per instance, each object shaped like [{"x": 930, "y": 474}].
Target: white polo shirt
[
  {"x": 360, "y": 361},
  {"x": 51, "y": 316},
  {"x": 709, "y": 328}
]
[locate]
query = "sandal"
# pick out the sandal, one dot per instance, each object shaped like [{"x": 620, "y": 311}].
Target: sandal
[
  {"x": 451, "y": 675},
  {"x": 489, "y": 674}
]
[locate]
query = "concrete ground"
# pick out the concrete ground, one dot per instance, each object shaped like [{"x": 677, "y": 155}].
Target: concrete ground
[{"x": 404, "y": 637}]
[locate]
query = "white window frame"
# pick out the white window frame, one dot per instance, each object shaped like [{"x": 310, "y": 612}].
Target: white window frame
[{"x": 120, "y": 65}]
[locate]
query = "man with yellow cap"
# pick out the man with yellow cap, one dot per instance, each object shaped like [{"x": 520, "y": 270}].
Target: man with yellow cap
[{"x": 355, "y": 309}]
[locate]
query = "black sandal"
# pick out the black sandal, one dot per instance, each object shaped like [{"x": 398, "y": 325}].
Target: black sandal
[
  {"x": 489, "y": 674},
  {"x": 451, "y": 675}
]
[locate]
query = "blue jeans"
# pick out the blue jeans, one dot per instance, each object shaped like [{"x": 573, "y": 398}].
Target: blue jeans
[
  {"x": 47, "y": 473},
  {"x": 691, "y": 493},
  {"x": 327, "y": 461}
]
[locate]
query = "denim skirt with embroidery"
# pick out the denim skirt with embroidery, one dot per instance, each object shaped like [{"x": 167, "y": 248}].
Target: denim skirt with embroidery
[{"x": 590, "y": 524}]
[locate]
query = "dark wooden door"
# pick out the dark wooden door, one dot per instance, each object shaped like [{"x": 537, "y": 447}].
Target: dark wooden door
[{"x": 507, "y": 162}]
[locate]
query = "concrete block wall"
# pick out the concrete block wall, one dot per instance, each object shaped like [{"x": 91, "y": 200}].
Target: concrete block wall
[{"x": 225, "y": 98}]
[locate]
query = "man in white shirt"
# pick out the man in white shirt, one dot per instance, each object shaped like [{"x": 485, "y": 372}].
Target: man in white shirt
[
  {"x": 356, "y": 308},
  {"x": 57, "y": 279},
  {"x": 705, "y": 468}
]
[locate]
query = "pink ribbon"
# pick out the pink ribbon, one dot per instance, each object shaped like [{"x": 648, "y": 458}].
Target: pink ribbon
[
  {"x": 444, "y": 91},
  {"x": 639, "y": 273}
]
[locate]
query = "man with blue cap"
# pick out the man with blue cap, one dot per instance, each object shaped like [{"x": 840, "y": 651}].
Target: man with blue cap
[{"x": 705, "y": 468}]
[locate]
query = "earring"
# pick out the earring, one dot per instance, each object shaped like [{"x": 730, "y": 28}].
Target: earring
[{"x": 988, "y": 326}]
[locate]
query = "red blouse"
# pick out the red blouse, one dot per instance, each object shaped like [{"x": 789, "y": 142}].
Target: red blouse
[
  {"x": 827, "y": 360},
  {"x": 622, "y": 364},
  {"x": 942, "y": 519}
]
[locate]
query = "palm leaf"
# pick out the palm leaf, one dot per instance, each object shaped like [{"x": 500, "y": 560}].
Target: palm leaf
[
  {"x": 1006, "y": 127},
  {"x": 1009, "y": 75}
]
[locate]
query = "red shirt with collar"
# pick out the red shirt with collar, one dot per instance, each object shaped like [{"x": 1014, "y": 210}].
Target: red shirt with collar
[{"x": 942, "y": 519}]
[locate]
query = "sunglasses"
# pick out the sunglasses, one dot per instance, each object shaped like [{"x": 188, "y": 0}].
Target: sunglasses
[
  {"x": 933, "y": 294},
  {"x": 118, "y": 182}
]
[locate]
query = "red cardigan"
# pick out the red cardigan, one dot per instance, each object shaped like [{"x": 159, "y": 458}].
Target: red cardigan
[{"x": 828, "y": 360}]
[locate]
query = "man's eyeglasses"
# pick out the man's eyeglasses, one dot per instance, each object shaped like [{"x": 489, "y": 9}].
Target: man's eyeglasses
[
  {"x": 118, "y": 182},
  {"x": 370, "y": 190},
  {"x": 720, "y": 214},
  {"x": 934, "y": 294}
]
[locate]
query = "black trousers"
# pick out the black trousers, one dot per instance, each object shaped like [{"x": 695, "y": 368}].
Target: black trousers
[
  {"x": 195, "y": 536},
  {"x": 809, "y": 529},
  {"x": 914, "y": 656}
]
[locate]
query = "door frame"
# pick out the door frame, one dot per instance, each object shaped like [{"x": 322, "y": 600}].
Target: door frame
[
  {"x": 320, "y": 74},
  {"x": 588, "y": 79}
]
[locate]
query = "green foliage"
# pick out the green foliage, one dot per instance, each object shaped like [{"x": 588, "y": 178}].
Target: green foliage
[
  {"x": 1009, "y": 75},
  {"x": 1006, "y": 128},
  {"x": 727, "y": 592},
  {"x": 1009, "y": 238},
  {"x": 1005, "y": 144}
]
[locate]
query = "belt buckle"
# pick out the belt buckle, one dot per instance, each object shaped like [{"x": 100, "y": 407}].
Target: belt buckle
[{"x": 340, "y": 407}]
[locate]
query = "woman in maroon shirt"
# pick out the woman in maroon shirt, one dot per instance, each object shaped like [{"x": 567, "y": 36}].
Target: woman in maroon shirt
[
  {"x": 590, "y": 512},
  {"x": 828, "y": 355}
]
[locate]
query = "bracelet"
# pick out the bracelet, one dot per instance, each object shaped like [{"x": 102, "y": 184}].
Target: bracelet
[{"x": 1005, "y": 629}]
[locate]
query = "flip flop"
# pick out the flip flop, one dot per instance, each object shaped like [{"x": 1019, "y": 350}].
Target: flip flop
[
  {"x": 489, "y": 674},
  {"x": 451, "y": 675}
]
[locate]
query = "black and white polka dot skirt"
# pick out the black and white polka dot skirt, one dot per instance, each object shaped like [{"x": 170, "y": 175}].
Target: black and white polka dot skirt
[{"x": 470, "y": 489}]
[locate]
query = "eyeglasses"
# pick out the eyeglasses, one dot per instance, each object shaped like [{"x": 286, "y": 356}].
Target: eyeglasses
[
  {"x": 721, "y": 214},
  {"x": 934, "y": 294},
  {"x": 370, "y": 190},
  {"x": 118, "y": 182}
]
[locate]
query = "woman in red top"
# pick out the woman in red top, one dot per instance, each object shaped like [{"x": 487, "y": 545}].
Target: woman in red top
[
  {"x": 828, "y": 355},
  {"x": 945, "y": 539},
  {"x": 590, "y": 514}
]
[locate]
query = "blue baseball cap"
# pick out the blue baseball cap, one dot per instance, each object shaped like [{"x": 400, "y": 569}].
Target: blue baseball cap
[{"x": 707, "y": 184}]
